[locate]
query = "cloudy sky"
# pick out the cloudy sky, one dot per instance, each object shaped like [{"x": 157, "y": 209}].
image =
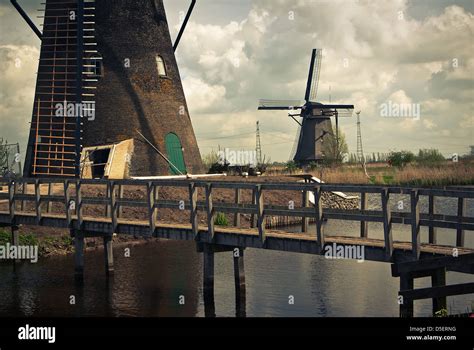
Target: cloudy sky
[{"x": 410, "y": 52}]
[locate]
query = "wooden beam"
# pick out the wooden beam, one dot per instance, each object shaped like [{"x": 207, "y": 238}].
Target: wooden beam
[
  {"x": 67, "y": 203},
  {"x": 208, "y": 281},
  {"x": 438, "y": 279},
  {"x": 78, "y": 254},
  {"x": 50, "y": 193},
  {"x": 239, "y": 280},
  {"x": 193, "y": 210},
  {"x": 364, "y": 225},
  {"x": 432, "y": 264},
  {"x": 11, "y": 201},
  {"x": 460, "y": 231},
  {"x": 237, "y": 199},
  {"x": 387, "y": 223},
  {"x": 415, "y": 224},
  {"x": 108, "y": 255},
  {"x": 210, "y": 212},
  {"x": 406, "y": 303},
  {"x": 431, "y": 212},
  {"x": 260, "y": 213},
  {"x": 318, "y": 207},
  {"x": 254, "y": 202},
  {"x": 120, "y": 197},
  {"x": 113, "y": 207},
  {"x": 437, "y": 292}
]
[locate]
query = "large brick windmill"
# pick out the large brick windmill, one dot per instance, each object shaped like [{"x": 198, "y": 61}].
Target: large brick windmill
[
  {"x": 109, "y": 100},
  {"x": 315, "y": 128}
]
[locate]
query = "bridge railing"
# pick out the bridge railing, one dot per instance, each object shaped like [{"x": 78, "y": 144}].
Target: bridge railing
[{"x": 73, "y": 201}]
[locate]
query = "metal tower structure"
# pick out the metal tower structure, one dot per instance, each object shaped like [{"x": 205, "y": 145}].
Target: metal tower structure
[
  {"x": 258, "y": 147},
  {"x": 360, "y": 151}
]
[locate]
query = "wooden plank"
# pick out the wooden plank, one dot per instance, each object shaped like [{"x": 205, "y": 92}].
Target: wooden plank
[
  {"x": 210, "y": 212},
  {"x": 237, "y": 199},
  {"x": 150, "y": 195},
  {"x": 364, "y": 225},
  {"x": 120, "y": 197},
  {"x": 107, "y": 201},
  {"x": 415, "y": 224},
  {"x": 260, "y": 213},
  {"x": 460, "y": 231},
  {"x": 318, "y": 207},
  {"x": 239, "y": 281},
  {"x": 38, "y": 201},
  {"x": 48, "y": 202},
  {"x": 304, "y": 204},
  {"x": 193, "y": 212},
  {"x": 208, "y": 281},
  {"x": 108, "y": 255},
  {"x": 387, "y": 223},
  {"x": 431, "y": 212},
  {"x": 79, "y": 254},
  {"x": 156, "y": 195},
  {"x": 254, "y": 202},
  {"x": 113, "y": 206},
  {"x": 437, "y": 292},
  {"x": 79, "y": 210}
]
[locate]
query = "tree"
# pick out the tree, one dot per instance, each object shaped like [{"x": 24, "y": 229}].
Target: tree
[
  {"x": 429, "y": 157},
  {"x": 401, "y": 158},
  {"x": 210, "y": 159},
  {"x": 334, "y": 152}
]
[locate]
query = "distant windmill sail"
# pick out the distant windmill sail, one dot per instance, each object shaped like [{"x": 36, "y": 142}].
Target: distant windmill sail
[{"x": 313, "y": 76}]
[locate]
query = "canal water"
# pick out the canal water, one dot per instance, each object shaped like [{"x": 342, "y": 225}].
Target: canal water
[{"x": 165, "y": 279}]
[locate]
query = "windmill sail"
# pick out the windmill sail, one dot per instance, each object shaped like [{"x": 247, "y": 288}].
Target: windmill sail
[{"x": 313, "y": 76}]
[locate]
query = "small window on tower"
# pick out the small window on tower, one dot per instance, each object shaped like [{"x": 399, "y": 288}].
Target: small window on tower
[{"x": 160, "y": 64}]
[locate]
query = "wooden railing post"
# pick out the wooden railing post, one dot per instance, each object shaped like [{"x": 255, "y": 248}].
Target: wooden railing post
[
  {"x": 431, "y": 211},
  {"x": 318, "y": 207},
  {"x": 260, "y": 213},
  {"x": 304, "y": 204},
  {"x": 238, "y": 193},
  {"x": 415, "y": 224},
  {"x": 24, "y": 190},
  {"x": 210, "y": 212},
  {"x": 107, "y": 206},
  {"x": 38, "y": 201},
  {"x": 49, "y": 204},
  {"x": 459, "y": 230},
  {"x": 78, "y": 205},
  {"x": 364, "y": 225},
  {"x": 193, "y": 211},
  {"x": 387, "y": 223},
  {"x": 254, "y": 202},
  {"x": 150, "y": 195},
  {"x": 113, "y": 206},
  {"x": 11, "y": 201},
  {"x": 120, "y": 197},
  {"x": 67, "y": 203}
]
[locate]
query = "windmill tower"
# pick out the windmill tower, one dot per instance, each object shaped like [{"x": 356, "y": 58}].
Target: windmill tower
[
  {"x": 315, "y": 125},
  {"x": 113, "y": 60}
]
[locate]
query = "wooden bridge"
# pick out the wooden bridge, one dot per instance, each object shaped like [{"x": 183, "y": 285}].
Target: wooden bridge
[{"x": 410, "y": 259}]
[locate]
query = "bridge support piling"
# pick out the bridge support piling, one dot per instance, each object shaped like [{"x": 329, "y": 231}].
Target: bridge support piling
[
  {"x": 79, "y": 254},
  {"x": 406, "y": 304},
  {"x": 15, "y": 239},
  {"x": 438, "y": 279},
  {"x": 108, "y": 255},
  {"x": 208, "y": 281},
  {"x": 239, "y": 278}
]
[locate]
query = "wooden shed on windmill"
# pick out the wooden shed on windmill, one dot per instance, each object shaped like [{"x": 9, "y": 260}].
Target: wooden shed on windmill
[{"x": 109, "y": 101}]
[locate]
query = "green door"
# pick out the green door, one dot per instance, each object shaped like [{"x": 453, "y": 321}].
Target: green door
[{"x": 175, "y": 153}]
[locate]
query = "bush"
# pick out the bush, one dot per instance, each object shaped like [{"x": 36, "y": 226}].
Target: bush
[
  {"x": 291, "y": 166},
  {"x": 400, "y": 159},
  {"x": 429, "y": 157},
  {"x": 221, "y": 220}
]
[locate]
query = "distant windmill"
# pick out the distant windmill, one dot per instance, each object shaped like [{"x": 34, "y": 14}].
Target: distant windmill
[{"x": 315, "y": 126}]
